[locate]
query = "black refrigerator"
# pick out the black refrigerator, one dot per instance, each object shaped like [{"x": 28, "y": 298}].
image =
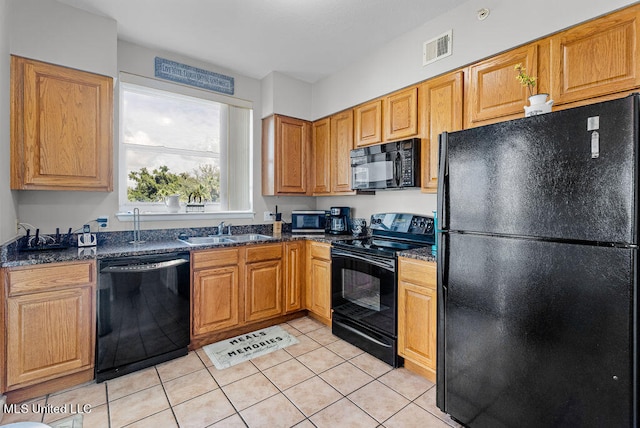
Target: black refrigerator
[{"x": 538, "y": 270}]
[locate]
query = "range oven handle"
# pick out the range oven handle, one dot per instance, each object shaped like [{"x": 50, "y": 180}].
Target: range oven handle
[
  {"x": 383, "y": 262},
  {"x": 146, "y": 267}
]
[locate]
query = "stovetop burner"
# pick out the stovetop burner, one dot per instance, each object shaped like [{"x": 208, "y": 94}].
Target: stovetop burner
[{"x": 382, "y": 245}]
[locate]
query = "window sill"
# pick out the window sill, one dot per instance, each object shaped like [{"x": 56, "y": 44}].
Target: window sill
[{"x": 160, "y": 216}]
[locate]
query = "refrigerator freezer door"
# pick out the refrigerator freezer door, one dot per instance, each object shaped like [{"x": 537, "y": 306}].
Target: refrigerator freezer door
[
  {"x": 536, "y": 334},
  {"x": 538, "y": 176}
]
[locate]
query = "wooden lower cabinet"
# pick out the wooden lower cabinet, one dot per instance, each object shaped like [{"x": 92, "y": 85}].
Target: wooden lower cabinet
[
  {"x": 294, "y": 276},
  {"x": 215, "y": 297},
  {"x": 241, "y": 289},
  {"x": 263, "y": 282},
  {"x": 50, "y": 325},
  {"x": 417, "y": 315},
  {"x": 318, "y": 287},
  {"x": 216, "y": 290}
]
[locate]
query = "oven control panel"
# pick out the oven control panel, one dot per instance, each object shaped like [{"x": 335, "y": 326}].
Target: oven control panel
[
  {"x": 422, "y": 225},
  {"x": 403, "y": 223}
]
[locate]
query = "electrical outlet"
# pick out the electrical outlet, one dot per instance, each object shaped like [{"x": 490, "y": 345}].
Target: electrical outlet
[
  {"x": 268, "y": 216},
  {"x": 103, "y": 222}
]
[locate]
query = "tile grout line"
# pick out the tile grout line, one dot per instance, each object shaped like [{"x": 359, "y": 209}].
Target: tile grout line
[
  {"x": 175, "y": 418},
  {"x": 237, "y": 412}
]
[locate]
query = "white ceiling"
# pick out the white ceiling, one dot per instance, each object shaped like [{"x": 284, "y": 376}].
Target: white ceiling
[{"x": 306, "y": 39}]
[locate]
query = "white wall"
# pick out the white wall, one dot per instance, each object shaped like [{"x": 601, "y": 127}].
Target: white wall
[
  {"x": 285, "y": 95},
  {"x": 411, "y": 201},
  {"x": 399, "y": 64},
  {"x": 52, "y": 32},
  {"x": 8, "y": 202}
]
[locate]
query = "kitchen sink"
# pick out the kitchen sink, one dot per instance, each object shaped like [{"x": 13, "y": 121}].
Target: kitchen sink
[
  {"x": 250, "y": 237},
  {"x": 206, "y": 240}
]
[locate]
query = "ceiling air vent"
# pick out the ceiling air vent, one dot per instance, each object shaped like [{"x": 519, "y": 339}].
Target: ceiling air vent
[{"x": 437, "y": 48}]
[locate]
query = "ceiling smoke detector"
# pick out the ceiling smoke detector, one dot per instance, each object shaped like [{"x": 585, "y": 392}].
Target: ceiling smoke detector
[{"x": 483, "y": 13}]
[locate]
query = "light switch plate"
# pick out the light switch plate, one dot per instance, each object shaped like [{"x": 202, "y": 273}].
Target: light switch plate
[{"x": 268, "y": 216}]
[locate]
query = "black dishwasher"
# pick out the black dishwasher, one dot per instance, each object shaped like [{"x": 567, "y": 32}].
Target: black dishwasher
[{"x": 143, "y": 312}]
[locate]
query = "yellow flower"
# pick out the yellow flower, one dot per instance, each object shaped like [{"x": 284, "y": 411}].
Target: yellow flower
[{"x": 524, "y": 78}]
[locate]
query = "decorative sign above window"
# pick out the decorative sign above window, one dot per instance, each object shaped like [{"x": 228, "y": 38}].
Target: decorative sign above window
[{"x": 193, "y": 76}]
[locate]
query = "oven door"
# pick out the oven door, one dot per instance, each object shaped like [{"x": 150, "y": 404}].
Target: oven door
[{"x": 363, "y": 289}]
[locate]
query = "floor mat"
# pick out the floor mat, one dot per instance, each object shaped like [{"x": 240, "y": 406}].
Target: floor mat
[{"x": 229, "y": 352}]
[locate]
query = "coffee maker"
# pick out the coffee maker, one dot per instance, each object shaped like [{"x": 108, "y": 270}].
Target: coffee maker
[{"x": 340, "y": 220}]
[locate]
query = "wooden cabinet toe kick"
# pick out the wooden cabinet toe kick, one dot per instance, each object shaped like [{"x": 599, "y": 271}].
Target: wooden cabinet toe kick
[{"x": 22, "y": 394}]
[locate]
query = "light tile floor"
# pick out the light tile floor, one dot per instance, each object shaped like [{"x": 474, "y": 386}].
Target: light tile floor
[{"x": 322, "y": 381}]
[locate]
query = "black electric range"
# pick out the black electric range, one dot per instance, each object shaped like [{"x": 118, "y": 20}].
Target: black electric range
[{"x": 364, "y": 281}]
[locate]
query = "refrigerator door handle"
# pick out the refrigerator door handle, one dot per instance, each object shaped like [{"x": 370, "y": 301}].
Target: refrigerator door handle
[
  {"x": 443, "y": 173},
  {"x": 442, "y": 278},
  {"x": 441, "y": 260}
]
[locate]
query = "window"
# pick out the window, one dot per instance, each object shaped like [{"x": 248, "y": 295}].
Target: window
[{"x": 184, "y": 141}]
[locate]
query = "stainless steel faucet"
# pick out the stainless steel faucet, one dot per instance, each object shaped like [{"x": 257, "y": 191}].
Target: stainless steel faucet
[
  {"x": 229, "y": 229},
  {"x": 220, "y": 227},
  {"x": 136, "y": 227}
]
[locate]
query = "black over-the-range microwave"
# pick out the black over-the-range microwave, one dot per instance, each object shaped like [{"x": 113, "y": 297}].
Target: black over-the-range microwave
[{"x": 386, "y": 166}]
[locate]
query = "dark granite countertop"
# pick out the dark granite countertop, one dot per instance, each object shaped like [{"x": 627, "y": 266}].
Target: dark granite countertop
[
  {"x": 117, "y": 244},
  {"x": 423, "y": 254},
  {"x": 122, "y": 248}
]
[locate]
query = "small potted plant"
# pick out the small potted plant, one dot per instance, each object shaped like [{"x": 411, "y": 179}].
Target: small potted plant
[{"x": 538, "y": 103}]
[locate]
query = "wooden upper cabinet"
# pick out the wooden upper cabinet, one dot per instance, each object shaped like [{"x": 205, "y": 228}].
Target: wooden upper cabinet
[
  {"x": 321, "y": 156},
  {"x": 368, "y": 123},
  {"x": 442, "y": 108},
  {"x": 285, "y": 147},
  {"x": 341, "y": 146},
  {"x": 597, "y": 58},
  {"x": 61, "y": 128},
  {"x": 494, "y": 92},
  {"x": 401, "y": 114}
]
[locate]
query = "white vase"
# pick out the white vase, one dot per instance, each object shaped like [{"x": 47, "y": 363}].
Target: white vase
[
  {"x": 538, "y": 104},
  {"x": 172, "y": 203}
]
